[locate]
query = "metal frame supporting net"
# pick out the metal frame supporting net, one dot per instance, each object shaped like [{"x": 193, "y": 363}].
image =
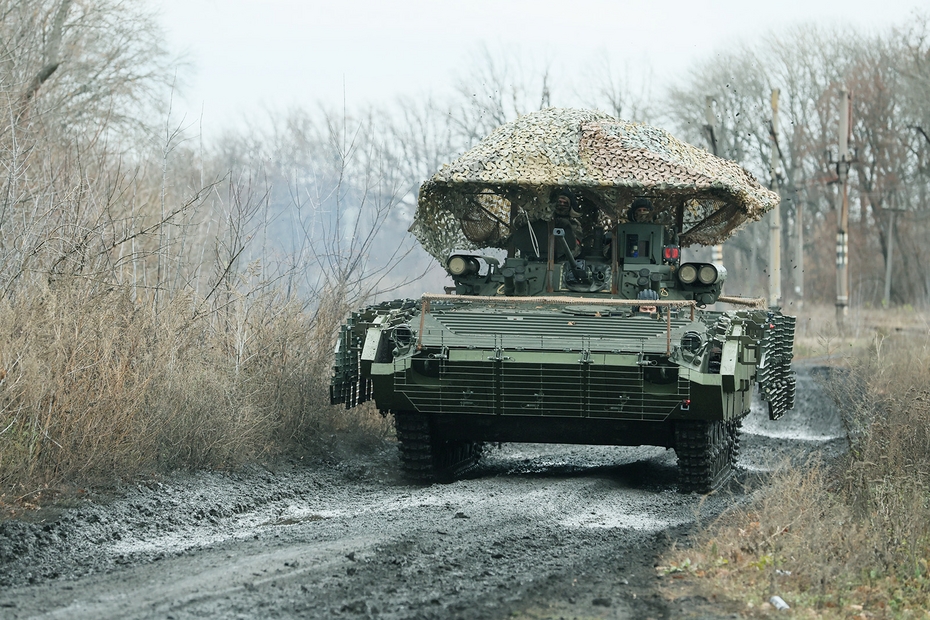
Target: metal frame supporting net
[{"x": 606, "y": 162}]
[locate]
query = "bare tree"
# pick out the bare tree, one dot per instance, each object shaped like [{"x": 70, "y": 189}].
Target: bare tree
[
  {"x": 78, "y": 82},
  {"x": 499, "y": 88},
  {"x": 621, "y": 93},
  {"x": 809, "y": 65},
  {"x": 338, "y": 203}
]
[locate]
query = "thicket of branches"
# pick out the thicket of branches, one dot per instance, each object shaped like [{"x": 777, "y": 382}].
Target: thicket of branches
[{"x": 149, "y": 318}]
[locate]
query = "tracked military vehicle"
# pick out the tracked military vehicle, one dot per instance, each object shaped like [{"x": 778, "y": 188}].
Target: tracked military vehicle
[{"x": 571, "y": 317}]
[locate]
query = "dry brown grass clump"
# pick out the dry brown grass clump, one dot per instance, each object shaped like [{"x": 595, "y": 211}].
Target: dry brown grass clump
[
  {"x": 817, "y": 334},
  {"x": 98, "y": 386},
  {"x": 843, "y": 539}
]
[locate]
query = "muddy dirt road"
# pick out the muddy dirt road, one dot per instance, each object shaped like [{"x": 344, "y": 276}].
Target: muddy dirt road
[{"x": 536, "y": 531}]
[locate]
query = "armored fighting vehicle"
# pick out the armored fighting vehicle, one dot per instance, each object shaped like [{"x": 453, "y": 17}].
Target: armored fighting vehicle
[{"x": 571, "y": 317}]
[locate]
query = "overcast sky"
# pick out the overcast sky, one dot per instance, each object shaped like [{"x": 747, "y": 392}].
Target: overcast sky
[{"x": 249, "y": 55}]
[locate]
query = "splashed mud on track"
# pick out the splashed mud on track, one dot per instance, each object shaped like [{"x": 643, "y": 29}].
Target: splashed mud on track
[
  {"x": 815, "y": 418},
  {"x": 535, "y": 531}
]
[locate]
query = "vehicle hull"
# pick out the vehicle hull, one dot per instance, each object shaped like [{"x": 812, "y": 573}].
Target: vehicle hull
[{"x": 468, "y": 371}]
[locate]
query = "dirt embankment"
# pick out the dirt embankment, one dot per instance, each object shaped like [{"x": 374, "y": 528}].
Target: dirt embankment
[{"x": 536, "y": 531}]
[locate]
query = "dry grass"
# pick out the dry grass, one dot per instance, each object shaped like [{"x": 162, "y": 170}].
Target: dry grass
[
  {"x": 148, "y": 321},
  {"x": 96, "y": 386},
  {"x": 818, "y": 336},
  {"x": 844, "y": 539}
]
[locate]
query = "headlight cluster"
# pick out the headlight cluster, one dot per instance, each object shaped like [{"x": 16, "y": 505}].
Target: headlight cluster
[{"x": 701, "y": 273}]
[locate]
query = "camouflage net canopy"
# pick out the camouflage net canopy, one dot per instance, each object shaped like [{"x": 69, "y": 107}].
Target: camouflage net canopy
[{"x": 515, "y": 174}]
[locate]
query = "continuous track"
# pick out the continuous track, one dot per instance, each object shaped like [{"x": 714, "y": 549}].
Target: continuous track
[
  {"x": 707, "y": 453},
  {"x": 428, "y": 458}
]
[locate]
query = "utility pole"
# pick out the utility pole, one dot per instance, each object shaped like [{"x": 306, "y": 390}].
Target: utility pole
[
  {"x": 775, "y": 215},
  {"x": 842, "y": 209},
  {"x": 798, "y": 250},
  {"x": 712, "y": 137}
]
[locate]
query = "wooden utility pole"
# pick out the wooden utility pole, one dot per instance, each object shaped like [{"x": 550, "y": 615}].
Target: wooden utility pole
[
  {"x": 842, "y": 212},
  {"x": 712, "y": 138},
  {"x": 775, "y": 215}
]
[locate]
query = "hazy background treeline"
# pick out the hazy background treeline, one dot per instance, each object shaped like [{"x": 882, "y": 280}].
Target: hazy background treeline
[
  {"x": 169, "y": 300},
  {"x": 887, "y": 73}
]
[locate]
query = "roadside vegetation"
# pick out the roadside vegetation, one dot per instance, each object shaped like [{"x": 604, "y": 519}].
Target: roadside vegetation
[
  {"x": 848, "y": 538},
  {"x": 169, "y": 302},
  {"x": 147, "y": 320}
]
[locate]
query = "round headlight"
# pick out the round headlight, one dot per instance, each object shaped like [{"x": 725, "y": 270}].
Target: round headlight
[
  {"x": 688, "y": 273},
  {"x": 707, "y": 274},
  {"x": 457, "y": 265}
]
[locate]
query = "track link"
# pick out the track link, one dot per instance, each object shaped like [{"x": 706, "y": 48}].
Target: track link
[
  {"x": 427, "y": 458},
  {"x": 707, "y": 453},
  {"x": 733, "y": 437}
]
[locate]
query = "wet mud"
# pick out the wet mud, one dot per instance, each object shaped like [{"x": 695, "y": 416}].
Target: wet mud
[{"x": 536, "y": 531}]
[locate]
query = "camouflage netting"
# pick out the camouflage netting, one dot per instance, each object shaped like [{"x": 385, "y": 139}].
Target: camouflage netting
[{"x": 606, "y": 162}]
